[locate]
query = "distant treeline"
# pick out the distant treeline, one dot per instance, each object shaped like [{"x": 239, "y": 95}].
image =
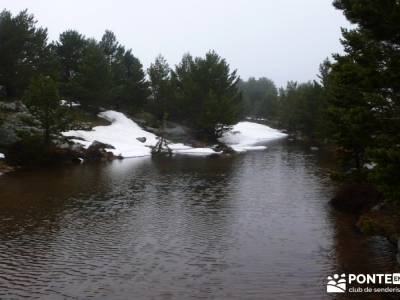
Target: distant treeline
[{"x": 355, "y": 105}]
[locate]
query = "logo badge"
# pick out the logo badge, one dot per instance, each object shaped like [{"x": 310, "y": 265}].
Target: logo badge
[{"x": 336, "y": 284}]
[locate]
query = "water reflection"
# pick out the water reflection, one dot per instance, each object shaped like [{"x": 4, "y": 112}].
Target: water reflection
[{"x": 254, "y": 226}]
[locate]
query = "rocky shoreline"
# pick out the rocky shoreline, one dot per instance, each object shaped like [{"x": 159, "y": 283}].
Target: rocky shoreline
[{"x": 112, "y": 135}]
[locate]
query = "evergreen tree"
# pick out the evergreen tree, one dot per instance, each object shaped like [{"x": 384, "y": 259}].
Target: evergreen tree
[
  {"x": 130, "y": 80},
  {"x": 207, "y": 94},
  {"x": 23, "y": 52},
  {"x": 70, "y": 51},
  {"x": 93, "y": 81},
  {"x": 43, "y": 101},
  {"x": 110, "y": 46},
  {"x": 364, "y": 87},
  {"x": 260, "y": 97},
  {"x": 129, "y": 88},
  {"x": 301, "y": 108},
  {"x": 160, "y": 86}
]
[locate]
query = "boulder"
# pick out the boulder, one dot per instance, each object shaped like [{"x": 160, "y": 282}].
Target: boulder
[
  {"x": 100, "y": 145},
  {"x": 17, "y": 122},
  {"x": 97, "y": 152},
  {"x": 142, "y": 139},
  {"x": 356, "y": 198},
  {"x": 225, "y": 149},
  {"x": 15, "y": 107}
]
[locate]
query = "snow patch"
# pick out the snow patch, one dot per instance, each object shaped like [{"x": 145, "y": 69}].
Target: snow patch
[
  {"x": 183, "y": 149},
  {"x": 69, "y": 103},
  {"x": 123, "y": 134},
  {"x": 370, "y": 166},
  {"x": 2, "y": 156},
  {"x": 245, "y": 136}
]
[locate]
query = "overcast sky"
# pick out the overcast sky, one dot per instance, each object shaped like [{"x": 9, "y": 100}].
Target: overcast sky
[{"x": 280, "y": 39}]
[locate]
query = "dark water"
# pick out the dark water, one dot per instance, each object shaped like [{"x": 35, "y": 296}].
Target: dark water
[{"x": 253, "y": 226}]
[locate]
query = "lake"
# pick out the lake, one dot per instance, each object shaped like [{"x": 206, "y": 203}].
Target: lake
[{"x": 256, "y": 225}]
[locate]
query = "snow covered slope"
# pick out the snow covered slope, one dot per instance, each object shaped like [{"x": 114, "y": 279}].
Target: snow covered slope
[
  {"x": 246, "y": 135},
  {"x": 123, "y": 134}
]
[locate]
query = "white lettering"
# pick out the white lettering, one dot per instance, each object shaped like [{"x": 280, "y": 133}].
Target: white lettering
[
  {"x": 352, "y": 277},
  {"x": 361, "y": 278},
  {"x": 388, "y": 278}
]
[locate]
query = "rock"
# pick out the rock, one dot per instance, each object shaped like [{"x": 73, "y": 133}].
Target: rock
[
  {"x": 142, "y": 139},
  {"x": 356, "y": 198},
  {"x": 100, "y": 145},
  {"x": 4, "y": 168},
  {"x": 18, "y": 121},
  {"x": 64, "y": 146},
  {"x": 16, "y": 106},
  {"x": 225, "y": 149},
  {"x": 83, "y": 126},
  {"x": 71, "y": 137},
  {"x": 97, "y": 151},
  {"x": 77, "y": 148}
]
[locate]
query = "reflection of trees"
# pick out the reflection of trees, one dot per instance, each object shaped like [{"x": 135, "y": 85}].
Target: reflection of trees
[
  {"x": 39, "y": 198},
  {"x": 55, "y": 222},
  {"x": 356, "y": 253},
  {"x": 195, "y": 189}
]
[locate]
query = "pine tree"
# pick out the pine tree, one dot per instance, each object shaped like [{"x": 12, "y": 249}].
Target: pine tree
[
  {"x": 43, "y": 101},
  {"x": 23, "y": 52},
  {"x": 93, "y": 81},
  {"x": 364, "y": 87},
  {"x": 129, "y": 88},
  {"x": 260, "y": 97},
  {"x": 70, "y": 51},
  {"x": 161, "y": 90},
  {"x": 207, "y": 94}
]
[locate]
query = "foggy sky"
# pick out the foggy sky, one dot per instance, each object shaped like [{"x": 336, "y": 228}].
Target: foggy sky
[{"x": 280, "y": 39}]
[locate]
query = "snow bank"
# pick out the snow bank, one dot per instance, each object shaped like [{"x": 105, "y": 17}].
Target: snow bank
[
  {"x": 69, "y": 103},
  {"x": 2, "y": 156},
  {"x": 123, "y": 134},
  {"x": 245, "y": 136},
  {"x": 183, "y": 149}
]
